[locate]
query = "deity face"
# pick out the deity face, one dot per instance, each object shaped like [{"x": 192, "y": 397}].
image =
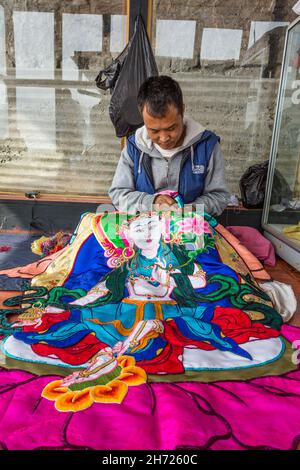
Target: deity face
[{"x": 145, "y": 232}]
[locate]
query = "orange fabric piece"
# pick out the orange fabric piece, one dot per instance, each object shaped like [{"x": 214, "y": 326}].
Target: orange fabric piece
[{"x": 253, "y": 264}]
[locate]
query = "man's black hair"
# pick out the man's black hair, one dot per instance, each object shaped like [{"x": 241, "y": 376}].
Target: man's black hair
[{"x": 158, "y": 93}]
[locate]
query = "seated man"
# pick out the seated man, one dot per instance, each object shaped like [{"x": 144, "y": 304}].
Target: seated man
[{"x": 170, "y": 152}]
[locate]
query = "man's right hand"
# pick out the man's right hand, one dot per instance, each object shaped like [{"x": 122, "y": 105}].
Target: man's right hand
[{"x": 164, "y": 203}]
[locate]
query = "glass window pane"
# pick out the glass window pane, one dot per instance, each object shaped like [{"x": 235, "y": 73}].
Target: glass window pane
[
  {"x": 2, "y": 41},
  {"x": 284, "y": 205},
  {"x": 117, "y": 33},
  {"x": 34, "y": 44},
  {"x": 221, "y": 44},
  {"x": 167, "y": 30},
  {"x": 227, "y": 59},
  {"x": 55, "y": 132},
  {"x": 259, "y": 28},
  {"x": 81, "y": 33}
]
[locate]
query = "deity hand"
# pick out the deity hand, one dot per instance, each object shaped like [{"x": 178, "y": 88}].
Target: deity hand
[
  {"x": 31, "y": 317},
  {"x": 141, "y": 286},
  {"x": 159, "y": 273},
  {"x": 198, "y": 279},
  {"x": 144, "y": 288},
  {"x": 22, "y": 323},
  {"x": 99, "y": 290}
]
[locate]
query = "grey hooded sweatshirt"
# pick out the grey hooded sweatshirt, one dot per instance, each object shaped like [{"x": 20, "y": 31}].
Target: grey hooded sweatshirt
[{"x": 165, "y": 172}]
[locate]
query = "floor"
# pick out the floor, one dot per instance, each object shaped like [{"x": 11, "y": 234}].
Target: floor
[{"x": 283, "y": 272}]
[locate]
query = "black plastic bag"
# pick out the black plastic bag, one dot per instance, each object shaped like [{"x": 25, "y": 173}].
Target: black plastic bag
[
  {"x": 107, "y": 78},
  {"x": 125, "y": 76},
  {"x": 253, "y": 186}
]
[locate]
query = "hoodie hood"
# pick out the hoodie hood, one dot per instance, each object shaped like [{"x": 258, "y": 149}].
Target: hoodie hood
[{"x": 193, "y": 133}]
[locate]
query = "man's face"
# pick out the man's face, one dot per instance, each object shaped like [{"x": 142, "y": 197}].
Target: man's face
[{"x": 166, "y": 131}]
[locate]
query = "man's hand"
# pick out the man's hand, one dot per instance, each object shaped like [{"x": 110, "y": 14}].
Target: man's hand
[{"x": 162, "y": 202}]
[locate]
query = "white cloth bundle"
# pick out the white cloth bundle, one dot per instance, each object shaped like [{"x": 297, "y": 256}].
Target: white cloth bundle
[{"x": 282, "y": 296}]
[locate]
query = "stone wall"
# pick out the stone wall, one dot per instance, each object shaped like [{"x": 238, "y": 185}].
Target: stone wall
[
  {"x": 55, "y": 132},
  {"x": 235, "y": 98}
]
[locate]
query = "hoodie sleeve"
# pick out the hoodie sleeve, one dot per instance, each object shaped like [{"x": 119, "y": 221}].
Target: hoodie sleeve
[
  {"x": 122, "y": 191},
  {"x": 215, "y": 196}
]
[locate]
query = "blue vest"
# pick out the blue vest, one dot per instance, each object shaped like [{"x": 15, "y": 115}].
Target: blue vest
[{"x": 192, "y": 176}]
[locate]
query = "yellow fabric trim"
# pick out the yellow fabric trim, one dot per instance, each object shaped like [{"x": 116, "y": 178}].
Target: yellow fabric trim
[{"x": 57, "y": 271}]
